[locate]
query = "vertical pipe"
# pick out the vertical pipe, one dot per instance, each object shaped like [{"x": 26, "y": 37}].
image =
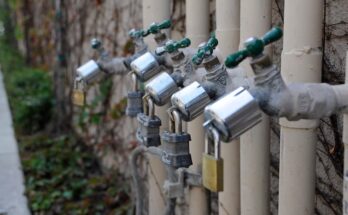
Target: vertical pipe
[
  {"x": 227, "y": 32},
  {"x": 156, "y": 11},
  {"x": 345, "y": 141},
  {"x": 301, "y": 62},
  {"x": 256, "y": 19},
  {"x": 197, "y": 29}
]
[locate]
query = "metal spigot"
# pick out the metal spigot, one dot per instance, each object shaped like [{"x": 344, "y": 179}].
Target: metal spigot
[
  {"x": 253, "y": 47},
  {"x": 137, "y": 37},
  {"x": 173, "y": 46},
  {"x": 164, "y": 85},
  {"x": 238, "y": 111},
  {"x": 97, "y": 45},
  {"x": 156, "y": 29},
  {"x": 205, "y": 50}
]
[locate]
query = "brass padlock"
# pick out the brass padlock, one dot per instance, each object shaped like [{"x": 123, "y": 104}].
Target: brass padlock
[
  {"x": 213, "y": 165},
  {"x": 79, "y": 93}
]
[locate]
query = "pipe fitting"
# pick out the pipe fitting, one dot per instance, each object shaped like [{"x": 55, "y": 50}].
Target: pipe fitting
[{"x": 296, "y": 100}]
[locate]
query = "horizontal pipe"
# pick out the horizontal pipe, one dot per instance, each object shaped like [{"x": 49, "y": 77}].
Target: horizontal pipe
[{"x": 115, "y": 66}]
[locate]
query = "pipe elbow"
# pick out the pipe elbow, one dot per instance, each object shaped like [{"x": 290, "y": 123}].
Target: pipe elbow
[{"x": 115, "y": 66}]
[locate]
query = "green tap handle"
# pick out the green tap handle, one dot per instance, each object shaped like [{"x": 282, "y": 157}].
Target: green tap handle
[
  {"x": 136, "y": 34},
  {"x": 253, "y": 47},
  {"x": 156, "y": 27},
  {"x": 96, "y": 44},
  {"x": 205, "y": 50},
  {"x": 172, "y": 46}
]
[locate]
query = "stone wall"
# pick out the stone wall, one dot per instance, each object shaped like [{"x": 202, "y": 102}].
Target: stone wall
[{"x": 112, "y": 134}]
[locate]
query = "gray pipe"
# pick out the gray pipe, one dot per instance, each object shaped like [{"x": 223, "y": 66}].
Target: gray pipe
[
  {"x": 137, "y": 180},
  {"x": 296, "y": 100},
  {"x": 115, "y": 66}
]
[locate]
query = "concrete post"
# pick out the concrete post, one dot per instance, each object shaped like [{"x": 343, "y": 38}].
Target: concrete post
[
  {"x": 197, "y": 29},
  {"x": 345, "y": 141},
  {"x": 227, "y": 32},
  {"x": 301, "y": 62},
  {"x": 256, "y": 18},
  {"x": 156, "y": 11}
]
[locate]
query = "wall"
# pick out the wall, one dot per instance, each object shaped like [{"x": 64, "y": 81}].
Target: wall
[{"x": 112, "y": 134}]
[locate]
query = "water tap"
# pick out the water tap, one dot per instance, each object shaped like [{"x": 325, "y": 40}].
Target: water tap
[{"x": 239, "y": 110}]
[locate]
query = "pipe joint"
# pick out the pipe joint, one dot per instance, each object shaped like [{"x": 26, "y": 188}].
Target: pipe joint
[{"x": 296, "y": 100}]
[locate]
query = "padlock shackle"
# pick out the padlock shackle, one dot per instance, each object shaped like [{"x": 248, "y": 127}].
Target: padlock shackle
[
  {"x": 135, "y": 81},
  {"x": 151, "y": 106},
  {"x": 148, "y": 105},
  {"x": 145, "y": 105},
  {"x": 212, "y": 134},
  {"x": 216, "y": 137},
  {"x": 175, "y": 121}
]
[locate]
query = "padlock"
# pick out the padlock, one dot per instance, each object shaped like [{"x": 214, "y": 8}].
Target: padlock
[
  {"x": 176, "y": 150},
  {"x": 134, "y": 99},
  {"x": 213, "y": 165},
  {"x": 145, "y": 67},
  {"x": 233, "y": 114},
  {"x": 148, "y": 133},
  {"x": 161, "y": 88},
  {"x": 191, "y": 100},
  {"x": 79, "y": 93}
]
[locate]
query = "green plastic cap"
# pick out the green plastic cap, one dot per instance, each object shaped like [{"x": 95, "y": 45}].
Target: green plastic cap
[{"x": 95, "y": 43}]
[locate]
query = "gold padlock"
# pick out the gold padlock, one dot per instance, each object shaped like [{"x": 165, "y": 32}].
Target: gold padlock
[
  {"x": 79, "y": 94},
  {"x": 213, "y": 165}
]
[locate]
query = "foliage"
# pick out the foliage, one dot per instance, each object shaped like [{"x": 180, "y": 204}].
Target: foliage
[
  {"x": 62, "y": 175},
  {"x": 29, "y": 90}
]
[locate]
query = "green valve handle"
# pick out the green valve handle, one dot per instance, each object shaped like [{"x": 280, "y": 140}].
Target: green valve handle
[
  {"x": 205, "y": 51},
  {"x": 172, "y": 46},
  {"x": 253, "y": 47},
  {"x": 96, "y": 44},
  {"x": 157, "y": 27},
  {"x": 136, "y": 34}
]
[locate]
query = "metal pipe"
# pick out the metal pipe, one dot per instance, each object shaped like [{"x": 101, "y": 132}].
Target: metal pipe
[
  {"x": 256, "y": 17},
  {"x": 294, "y": 101},
  {"x": 301, "y": 62},
  {"x": 114, "y": 66},
  {"x": 345, "y": 142},
  {"x": 137, "y": 180},
  {"x": 227, "y": 32},
  {"x": 197, "y": 29},
  {"x": 156, "y": 11}
]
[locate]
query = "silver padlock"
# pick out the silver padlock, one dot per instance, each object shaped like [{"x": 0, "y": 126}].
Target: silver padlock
[
  {"x": 148, "y": 133},
  {"x": 233, "y": 114},
  {"x": 176, "y": 150},
  {"x": 191, "y": 100},
  {"x": 90, "y": 72},
  {"x": 145, "y": 66},
  {"x": 134, "y": 99},
  {"x": 161, "y": 88}
]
